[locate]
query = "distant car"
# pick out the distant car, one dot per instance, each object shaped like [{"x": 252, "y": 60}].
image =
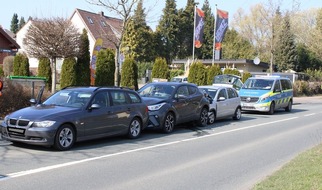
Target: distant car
[
  {"x": 224, "y": 102},
  {"x": 171, "y": 103},
  {"x": 180, "y": 79},
  {"x": 76, "y": 114},
  {"x": 228, "y": 80}
]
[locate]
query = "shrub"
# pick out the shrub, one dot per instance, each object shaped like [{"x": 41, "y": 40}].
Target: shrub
[
  {"x": 245, "y": 76},
  {"x": 232, "y": 71},
  {"x": 68, "y": 73},
  {"x": 197, "y": 73},
  {"x": 44, "y": 70},
  {"x": 8, "y": 65},
  {"x": 213, "y": 71},
  {"x": 1, "y": 72},
  {"x": 105, "y": 68},
  {"x": 160, "y": 69},
  {"x": 129, "y": 74},
  {"x": 176, "y": 72}
]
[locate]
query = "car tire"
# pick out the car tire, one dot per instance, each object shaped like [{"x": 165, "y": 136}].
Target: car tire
[
  {"x": 237, "y": 114},
  {"x": 271, "y": 108},
  {"x": 289, "y": 106},
  {"x": 203, "y": 117},
  {"x": 135, "y": 128},
  {"x": 168, "y": 123},
  {"x": 211, "y": 117},
  {"x": 65, "y": 137}
]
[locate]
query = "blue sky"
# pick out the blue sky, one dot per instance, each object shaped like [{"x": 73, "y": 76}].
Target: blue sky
[{"x": 64, "y": 8}]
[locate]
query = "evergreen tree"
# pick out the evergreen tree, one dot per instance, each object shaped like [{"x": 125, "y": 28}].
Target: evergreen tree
[
  {"x": 20, "y": 65},
  {"x": 185, "y": 35},
  {"x": 306, "y": 59},
  {"x": 105, "y": 68},
  {"x": 232, "y": 72},
  {"x": 24, "y": 66},
  {"x": 197, "y": 73},
  {"x": 68, "y": 73},
  {"x": 129, "y": 74},
  {"x": 213, "y": 71},
  {"x": 138, "y": 37},
  {"x": 83, "y": 74},
  {"x": 206, "y": 50},
  {"x": 235, "y": 46},
  {"x": 14, "y": 23},
  {"x": 22, "y": 22},
  {"x": 167, "y": 31},
  {"x": 44, "y": 70},
  {"x": 285, "y": 51},
  {"x": 160, "y": 69}
]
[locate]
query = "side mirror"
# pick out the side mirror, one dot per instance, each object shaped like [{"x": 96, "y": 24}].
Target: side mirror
[
  {"x": 221, "y": 99},
  {"x": 33, "y": 101},
  {"x": 277, "y": 90},
  {"x": 94, "y": 106}
]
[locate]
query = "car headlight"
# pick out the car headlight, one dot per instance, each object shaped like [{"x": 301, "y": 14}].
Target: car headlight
[
  {"x": 263, "y": 98},
  {"x": 43, "y": 123},
  {"x": 155, "y": 107}
]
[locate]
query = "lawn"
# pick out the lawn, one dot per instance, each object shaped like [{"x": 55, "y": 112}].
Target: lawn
[{"x": 302, "y": 173}]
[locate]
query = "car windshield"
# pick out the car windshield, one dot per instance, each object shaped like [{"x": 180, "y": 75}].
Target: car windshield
[
  {"x": 69, "y": 98},
  {"x": 225, "y": 79},
  {"x": 157, "y": 91},
  {"x": 259, "y": 84},
  {"x": 209, "y": 91}
]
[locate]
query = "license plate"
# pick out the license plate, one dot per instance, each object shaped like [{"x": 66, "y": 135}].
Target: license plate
[
  {"x": 16, "y": 130},
  {"x": 247, "y": 104}
]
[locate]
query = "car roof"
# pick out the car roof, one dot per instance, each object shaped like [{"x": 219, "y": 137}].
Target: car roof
[
  {"x": 173, "y": 83},
  {"x": 269, "y": 77},
  {"x": 212, "y": 87},
  {"x": 94, "y": 88}
]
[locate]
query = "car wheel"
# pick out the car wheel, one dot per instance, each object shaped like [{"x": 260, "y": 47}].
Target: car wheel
[
  {"x": 271, "y": 108},
  {"x": 289, "y": 106},
  {"x": 211, "y": 117},
  {"x": 203, "y": 118},
  {"x": 65, "y": 137},
  {"x": 237, "y": 114},
  {"x": 168, "y": 124},
  {"x": 135, "y": 128}
]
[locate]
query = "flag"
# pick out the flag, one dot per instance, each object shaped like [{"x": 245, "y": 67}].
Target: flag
[
  {"x": 221, "y": 27},
  {"x": 199, "y": 26}
]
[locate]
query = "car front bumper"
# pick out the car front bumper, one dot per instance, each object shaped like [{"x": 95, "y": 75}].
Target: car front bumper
[{"x": 262, "y": 107}]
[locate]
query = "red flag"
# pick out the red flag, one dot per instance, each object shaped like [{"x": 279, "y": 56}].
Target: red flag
[
  {"x": 199, "y": 27},
  {"x": 221, "y": 27}
]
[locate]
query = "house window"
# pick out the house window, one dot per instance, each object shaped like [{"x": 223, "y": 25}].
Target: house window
[
  {"x": 103, "y": 23},
  {"x": 90, "y": 20}
]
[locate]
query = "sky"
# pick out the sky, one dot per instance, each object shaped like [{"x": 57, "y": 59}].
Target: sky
[{"x": 65, "y": 8}]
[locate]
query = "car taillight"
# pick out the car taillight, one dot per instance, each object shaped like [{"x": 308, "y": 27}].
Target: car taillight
[{"x": 146, "y": 109}]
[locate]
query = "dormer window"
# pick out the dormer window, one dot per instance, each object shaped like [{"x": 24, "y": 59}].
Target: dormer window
[
  {"x": 90, "y": 20},
  {"x": 103, "y": 23}
]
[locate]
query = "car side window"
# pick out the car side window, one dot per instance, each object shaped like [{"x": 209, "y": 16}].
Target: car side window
[
  {"x": 134, "y": 97},
  {"x": 101, "y": 99},
  {"x": 222, "y": 93},
  {"x": 183, "y": 91},
  {"x": 277, "y": 86},
  {"x": 286, "y": 84},
  {"x": 231, "y": 93},
  {"x": 118, "y": 98},
  {"x": 192, "y": 90}
]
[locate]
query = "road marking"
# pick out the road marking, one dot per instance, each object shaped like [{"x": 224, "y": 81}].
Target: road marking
[
  {"x": 47, "y": 168},
  {"x": 309, "y": 114}
]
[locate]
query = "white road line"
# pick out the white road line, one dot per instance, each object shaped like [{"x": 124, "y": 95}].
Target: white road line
[
  {"x": 309, "y": 114},
  {"x": 47, "y": 168}
]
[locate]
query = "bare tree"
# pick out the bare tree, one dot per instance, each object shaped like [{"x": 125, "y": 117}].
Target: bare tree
[
  {"x": 123, "y": 9},
  {"x": 52, "y": 38}
]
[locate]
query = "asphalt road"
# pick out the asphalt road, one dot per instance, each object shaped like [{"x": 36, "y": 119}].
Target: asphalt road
[{"x": 226, "y": 155}]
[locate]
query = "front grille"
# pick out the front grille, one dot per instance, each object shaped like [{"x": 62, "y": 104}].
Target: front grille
[
  {"x": 249, "y": 99},
  {"x": 19, "y": 122}
]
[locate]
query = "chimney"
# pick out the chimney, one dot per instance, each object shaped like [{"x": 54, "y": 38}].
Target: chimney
[{"x": 101, "y": 13}]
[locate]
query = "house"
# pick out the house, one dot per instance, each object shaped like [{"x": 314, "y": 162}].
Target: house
[
  {"x": 8, "y": 46},
  {"x": 97, "y": 25}
]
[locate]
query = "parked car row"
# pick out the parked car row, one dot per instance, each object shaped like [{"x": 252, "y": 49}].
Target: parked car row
[{"x": 76, "y": 114}]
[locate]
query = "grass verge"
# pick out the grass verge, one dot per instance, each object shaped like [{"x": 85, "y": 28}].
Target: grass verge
[{"x": 302, "y": 173}]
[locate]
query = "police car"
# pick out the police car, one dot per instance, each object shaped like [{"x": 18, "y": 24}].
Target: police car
[{"x": 266, "y": 94}]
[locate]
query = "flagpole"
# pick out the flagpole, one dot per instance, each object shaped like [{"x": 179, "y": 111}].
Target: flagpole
[
  {"x": 214, "y": 43},
  {"x": 194, "y": 30}
]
